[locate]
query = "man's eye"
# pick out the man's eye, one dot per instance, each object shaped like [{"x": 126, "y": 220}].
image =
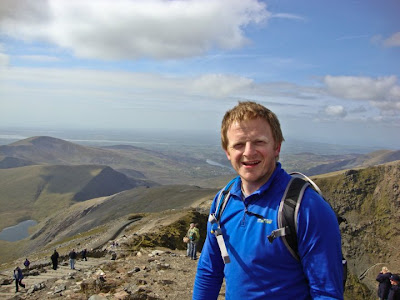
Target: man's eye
[{"x": 238, "y": 146}]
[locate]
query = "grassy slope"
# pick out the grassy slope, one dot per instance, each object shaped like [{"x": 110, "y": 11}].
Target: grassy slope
[
  {"x": 34, "y": 192},
  {"x": 74, "y": 221}
]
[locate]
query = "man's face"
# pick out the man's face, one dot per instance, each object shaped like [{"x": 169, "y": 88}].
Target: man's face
[{"x": 252, "y": 151}]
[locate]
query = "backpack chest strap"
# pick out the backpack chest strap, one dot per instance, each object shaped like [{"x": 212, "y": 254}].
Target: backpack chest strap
[{"x": 280, "y": 232}]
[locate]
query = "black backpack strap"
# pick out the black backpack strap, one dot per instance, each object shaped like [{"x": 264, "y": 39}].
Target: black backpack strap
[{"x": 287, "y": 215}]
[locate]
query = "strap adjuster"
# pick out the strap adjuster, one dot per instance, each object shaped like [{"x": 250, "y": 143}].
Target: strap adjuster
[{"x": 278, "y": 232}]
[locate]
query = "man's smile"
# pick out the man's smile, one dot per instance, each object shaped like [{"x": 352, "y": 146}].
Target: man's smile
[{"x": 251, "y": 163}]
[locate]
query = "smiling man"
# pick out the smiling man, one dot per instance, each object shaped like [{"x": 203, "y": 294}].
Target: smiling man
[{"x": 257, "y": 269}]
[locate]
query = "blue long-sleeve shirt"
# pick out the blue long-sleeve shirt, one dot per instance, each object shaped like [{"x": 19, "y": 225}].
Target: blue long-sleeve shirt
[{"x": 263, "y": 270}]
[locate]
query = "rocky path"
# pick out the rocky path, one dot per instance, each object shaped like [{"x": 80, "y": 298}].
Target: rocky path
[{"x": 32, "y": 282}]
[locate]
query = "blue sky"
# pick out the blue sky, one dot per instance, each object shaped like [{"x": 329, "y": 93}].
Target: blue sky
[{"x": 329, "y": 69}]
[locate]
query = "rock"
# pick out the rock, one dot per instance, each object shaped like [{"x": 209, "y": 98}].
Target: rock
[
  {"x": 59, "y": 289},
  {"x": 121, "y": 295},
  {"x": 6, "y": 281},
  {"x": 97, "y": 297},
  {"x": 157, "y": 252}
]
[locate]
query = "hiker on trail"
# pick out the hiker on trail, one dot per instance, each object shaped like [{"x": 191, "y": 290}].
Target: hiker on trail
[
  {"x": 194, "y": 236},
  {"x": 18, "y": 278},
  {"x": 83, "y": 254},
  {"x": 54, "y": 259},
  {"x": 187, "y": 236},
  {"x": 384, "y": 283},
  {"x": 72, "y": 258},
  {"x": 27, "y": 263},
  {"x": 394, "y": 293},
  {"x": 259, "y": 269}
]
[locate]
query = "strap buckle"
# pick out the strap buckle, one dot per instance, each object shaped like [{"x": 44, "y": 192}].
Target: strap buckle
[{"x": 278, "y": 232}]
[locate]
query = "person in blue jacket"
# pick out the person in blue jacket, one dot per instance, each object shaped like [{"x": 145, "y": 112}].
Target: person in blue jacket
[
  {"x": 18, "y": 276},
  {"x": 251, "y": 138}
]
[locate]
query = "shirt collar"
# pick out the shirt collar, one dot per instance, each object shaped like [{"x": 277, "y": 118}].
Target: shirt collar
[{"x": 236, "y": 188}]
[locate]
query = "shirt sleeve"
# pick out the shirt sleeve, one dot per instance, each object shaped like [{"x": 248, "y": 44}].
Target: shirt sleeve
[
  {"x": 210, "y": 269},
  {"x": 320, "y": 247}
]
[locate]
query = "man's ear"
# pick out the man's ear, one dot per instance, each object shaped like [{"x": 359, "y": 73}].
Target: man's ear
[
  {"x": 278, "y": 150},
  {"x": 227, "y": 154}
]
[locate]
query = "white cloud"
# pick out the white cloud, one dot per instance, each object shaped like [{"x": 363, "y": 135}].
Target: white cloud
[
  {"x": 219, "y": 85},
  {"x": 120, "y": 85},
  {"x": 288, "y": 16},
  {"x": 335, "y": 111},
  {"x": 127, "y": 29},
  {"x": 27, "y": 10},
  {"x": 382, "y": 92},
  {"x": 393, "y": 41},
  {"x": 4, "y": 59}
]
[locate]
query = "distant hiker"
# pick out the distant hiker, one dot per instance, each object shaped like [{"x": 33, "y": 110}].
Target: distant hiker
[
  {"x": 54, "y": 259},
  {"x": 187, "y": 239},
  {"x": 18, "y": 278},
  {"x": 237, "y": 248},
  {"x": 83, "y": 254},
  {"x": 394, "y": 293},
  {"x": 27, "y": 263},
  {"x": 72, "y": 258},
  {"x": 384, "y": 283},
  {"x": 194, "y": 236}
]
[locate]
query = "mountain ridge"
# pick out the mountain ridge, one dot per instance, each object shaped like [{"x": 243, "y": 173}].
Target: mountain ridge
[{"x": 130, "y": 160}]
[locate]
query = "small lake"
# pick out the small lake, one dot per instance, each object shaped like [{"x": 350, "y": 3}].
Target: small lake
[{"x": 17, "y": 232}]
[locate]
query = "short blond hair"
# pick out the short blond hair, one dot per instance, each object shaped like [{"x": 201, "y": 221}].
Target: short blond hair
[{"x": 250, "y": 110}]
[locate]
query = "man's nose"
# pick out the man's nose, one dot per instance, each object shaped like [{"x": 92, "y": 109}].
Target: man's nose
[{"x": 249, "y": 149}]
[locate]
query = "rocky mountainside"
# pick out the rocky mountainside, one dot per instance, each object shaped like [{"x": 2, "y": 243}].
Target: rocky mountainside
[
  {"x": 97, "y": 214},
  {"x": 132, "y": 269},
  {"x": 369, "y": 200}
]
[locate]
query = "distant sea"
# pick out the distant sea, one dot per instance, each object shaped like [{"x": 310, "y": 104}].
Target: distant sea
[{"x": 159, "y": 139}]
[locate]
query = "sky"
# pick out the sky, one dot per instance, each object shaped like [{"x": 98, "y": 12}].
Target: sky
[{"x": 329, "y": 69}]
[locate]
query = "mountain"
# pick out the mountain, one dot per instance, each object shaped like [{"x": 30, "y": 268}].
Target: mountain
[
  {"x": 132, "y": 161},
  {"x": 14, "y": 162},
  {"x": 368, "y": 198},
  {"x": 35, "y": 192},
  {"x": 79, "y": 198},
  {"x": 58, "y": 221},
  {"x": 86, "y": 216},
  {"x": 358, "y": 161}
]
